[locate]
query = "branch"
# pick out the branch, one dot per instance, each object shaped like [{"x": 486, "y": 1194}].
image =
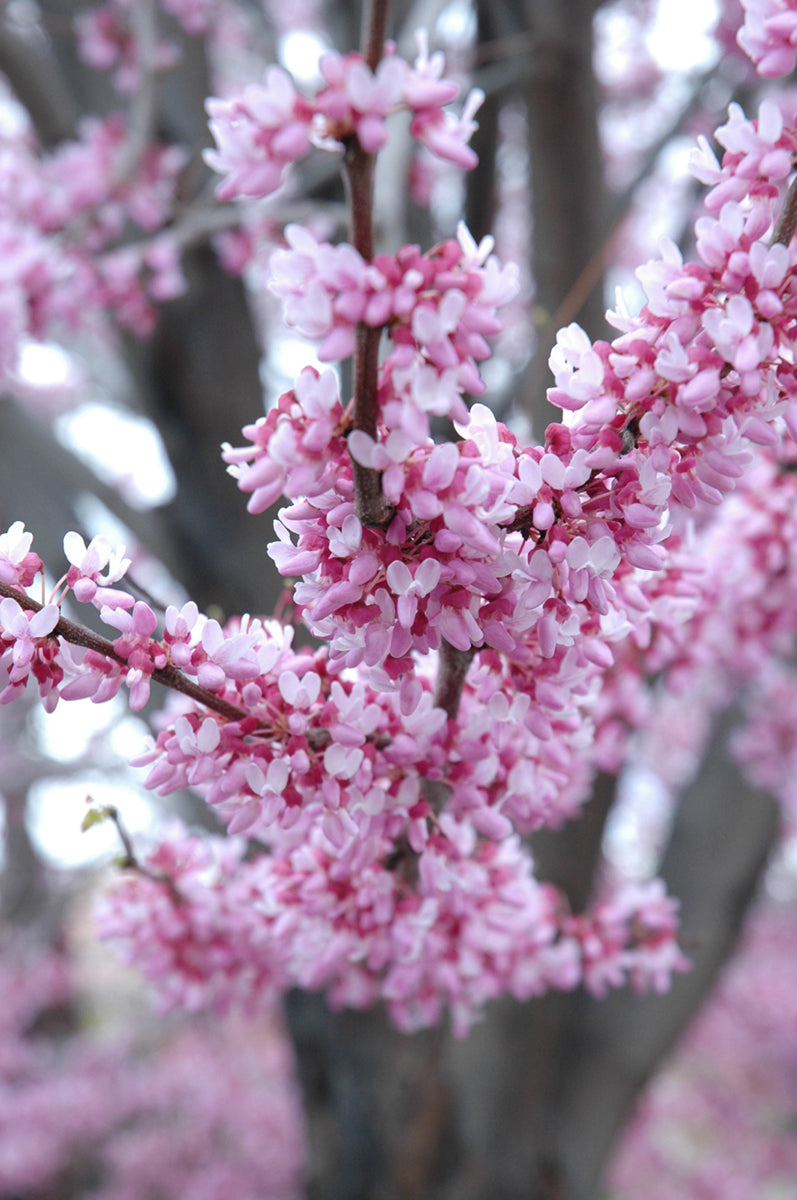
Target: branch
[
  {"x": 141, "y": 119},
  {"x": 38, "y": 85},
  {"x": 170, "y": 677},
  {"x": 570, "y": 858},
  {"x": 130, "y": 860},
  {"x": 374, "y": 31},
  {"x": 204, "y": 218},
  {"x": 370, "y": 505},
  {"x": 787, "y": 222},
  {"x": 452, "y": 668}
]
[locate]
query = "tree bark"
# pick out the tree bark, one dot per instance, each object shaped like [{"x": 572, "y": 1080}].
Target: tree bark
[
  {"x": 198, "y": 377},
  {"x": 568, "y": 194}
]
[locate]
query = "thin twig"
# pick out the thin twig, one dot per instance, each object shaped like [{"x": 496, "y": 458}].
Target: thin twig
[
  {"x": 171, "y": 677},
  {"x": 204, "y": 218},
  {"x": 131, "y": 860},
  {"x": 141, "y": 116}
]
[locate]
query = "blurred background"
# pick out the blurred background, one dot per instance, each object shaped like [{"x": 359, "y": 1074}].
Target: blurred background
[{"x": 113, "y": 424}]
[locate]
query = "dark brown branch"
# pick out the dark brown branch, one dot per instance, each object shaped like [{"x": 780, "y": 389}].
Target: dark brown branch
[
  {"x": 170, "y": 677},
  {"x": 369, "y": 502},
  {"x": 570, "y": 858},
  {"x": 617, "y": 1043},
  {"x": 374, "y": 30}
]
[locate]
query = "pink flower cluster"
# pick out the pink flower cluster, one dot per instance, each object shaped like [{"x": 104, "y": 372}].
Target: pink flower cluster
[
  {"x": 631, "y": 932},
  {"x": 437, "y": 307},
  {"x": 769, "y": 35},
  {"x": 296, "y": 448},
  {"x": 389, "y": 814},
  {"x": 271, "y": 125},
  {"x": 94, "y": 667},
  {"x": 62, "y": 215},
  {"x": 447, "y": 566},
  {"x": 26, "y": 649},
  {"x": 310, "y": 749},
  {"x": 758, "y": 155},
  {"x": 368, "y": 889},
  {"x": 706, "y": 369},
  {"x": 107, "y": 38},
  {"x": 470, "y": 924},
  {"x": 739, "y": 637},
  {"x": 523, "y": 549},
  {"x": 765, "y": 745},
  {"x": 19, "y": 565},
  {"x": 133, "y": 1116}
]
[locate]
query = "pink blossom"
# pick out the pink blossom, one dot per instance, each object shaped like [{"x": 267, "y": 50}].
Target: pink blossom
[
  {"x": 105, "y": 40},
  {"x": 295, "y": 447},
  {"x": 438, "y": 308},
  {"x": 448, "y": 136},
  {"x": 356, "y": 99},
  {"x": 19, "y": 565},
  {"x": 384, "y": 859},
  {"x": 258, "y": 134},
  {"x": 424, "y": 86},
  {"x": 27, "y": 648},
  {"x": 769, "y": 35},
  {"x": 716, "y": 1122},
  {"x": 84, "y": 576},
  {"x": 136, "y": 646},
  {"x": 136, "y": 1101}
]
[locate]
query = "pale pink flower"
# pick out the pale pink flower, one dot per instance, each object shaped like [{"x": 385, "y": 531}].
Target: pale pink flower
[
  {"x": 19, "y": 565},
  {"x": 769, "y": 35},
  {"x": 84, "y": 576},
  {"x": 258, "y": 135}
]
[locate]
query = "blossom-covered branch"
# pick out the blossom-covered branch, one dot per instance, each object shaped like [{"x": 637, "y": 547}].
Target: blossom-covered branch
[{"x": 474, "y": 600}]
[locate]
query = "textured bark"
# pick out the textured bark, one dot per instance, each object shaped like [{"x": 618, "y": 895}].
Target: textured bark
[
  {"x": 198, "y": 377},
  {"x": 568, "y": 195}
]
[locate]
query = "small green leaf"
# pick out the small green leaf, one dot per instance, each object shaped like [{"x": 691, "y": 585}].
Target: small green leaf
[{"x": 96, "y": 816}]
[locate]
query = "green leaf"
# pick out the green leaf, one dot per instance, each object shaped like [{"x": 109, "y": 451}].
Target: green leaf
[{"x": 96, "y": 816}]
